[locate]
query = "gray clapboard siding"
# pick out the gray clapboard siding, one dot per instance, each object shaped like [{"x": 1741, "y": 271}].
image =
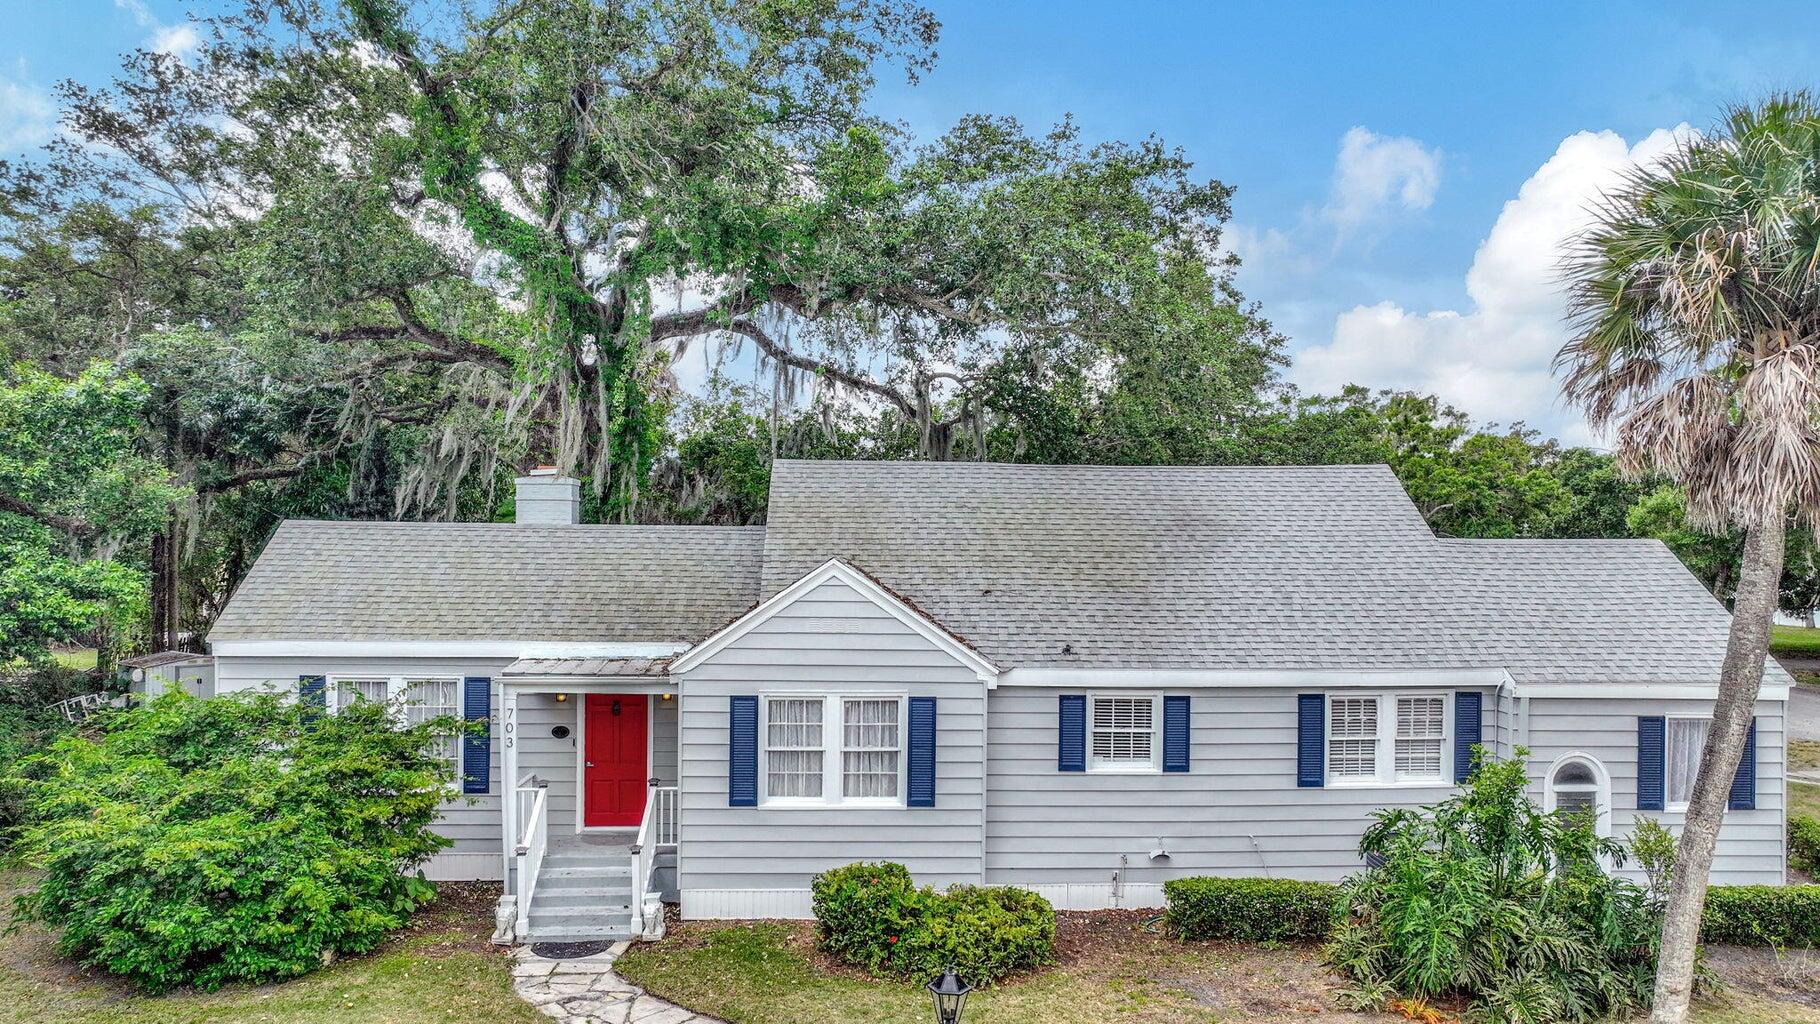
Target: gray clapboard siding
[
  {"x": 1237, "y": 812},
  {"x": 832, "y": 640},
  {"x": 1750, "y": 849}
]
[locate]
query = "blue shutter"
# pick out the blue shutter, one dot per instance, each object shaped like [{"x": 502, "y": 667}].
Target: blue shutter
[
  {"x": 477, "y": 742},
  {"x": 742, "y": 751},
  {"x": 1649, "y": 762},
  {"x": 1311, "y": 740},
  {"x": 921, "y": 789},
  {"x": 313, "y": 693},
  {"x": 1744, "y": 784},
  {"x": 1468, "y": 731},
  {"x": 1175, "y": 734},
  {"x": 1071, "y": 724}
]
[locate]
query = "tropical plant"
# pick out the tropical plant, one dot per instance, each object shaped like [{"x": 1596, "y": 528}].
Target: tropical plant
[
  {"x": 241, "y": 838},
  {"x": 1696, "y": 300},
  {"x": 1486, "y": 899}
]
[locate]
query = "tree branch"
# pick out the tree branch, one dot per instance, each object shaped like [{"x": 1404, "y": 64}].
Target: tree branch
[{"x": 68, "y": 524}]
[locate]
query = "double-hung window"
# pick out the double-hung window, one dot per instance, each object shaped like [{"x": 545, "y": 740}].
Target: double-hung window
[
  {"x": 833, "y": 750},
  {"x": 1123, "y": 734},
  {"x": 412, "y": 700},
  {"x": 1686, "y": 741},
  {"x": 1383, "y": 739}
]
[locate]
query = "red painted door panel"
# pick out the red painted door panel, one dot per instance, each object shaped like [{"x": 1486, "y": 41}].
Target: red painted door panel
[{"x": 614, "y": 761}]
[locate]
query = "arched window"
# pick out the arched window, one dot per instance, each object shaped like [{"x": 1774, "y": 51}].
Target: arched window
[{"x": 1577, "y": 784}]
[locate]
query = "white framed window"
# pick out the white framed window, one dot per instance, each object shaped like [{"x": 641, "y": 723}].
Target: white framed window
[
  {"x": 1577, "y": 784},
  {"x": 413, "y": 700},
  {"x": 1122, "y": 733},
  {"x": 833, "y": 750},
  {"x": 1685, "y": 741},
  {"x": 1384, "y": 739}
]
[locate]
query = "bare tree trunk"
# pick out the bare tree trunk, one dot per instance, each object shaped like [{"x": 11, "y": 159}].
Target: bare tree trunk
[
  {"x": 164, "y": 587},
  {"x": 1759, "y": 575}
]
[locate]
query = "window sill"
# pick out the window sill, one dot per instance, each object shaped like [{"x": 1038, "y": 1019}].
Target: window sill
[
  {"x": 1135, "y": 769},
  {"x": 1381, "y": 784},
  {"x": 804, "y": 804}
]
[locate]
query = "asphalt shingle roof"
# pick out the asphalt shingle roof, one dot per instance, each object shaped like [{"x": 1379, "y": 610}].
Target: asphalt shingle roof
[
  {"x": 494, "y": 581},
  {"x": 1323, "y": 567}
]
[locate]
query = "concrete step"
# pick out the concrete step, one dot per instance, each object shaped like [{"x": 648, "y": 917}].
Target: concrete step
[
  {"x": 584, "y": 878},
  {"x": 613, "y": 894},
  {"x": 541, "y": 914},
  {"x": 562, "y": 900},
  {"x": 578, "y": 934}
]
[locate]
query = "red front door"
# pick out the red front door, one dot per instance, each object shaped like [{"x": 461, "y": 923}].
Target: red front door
[{"x": 614, "y": 761}]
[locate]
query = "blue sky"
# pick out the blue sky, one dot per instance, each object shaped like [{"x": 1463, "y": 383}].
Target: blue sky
[{"x": 1404, "y": 172}]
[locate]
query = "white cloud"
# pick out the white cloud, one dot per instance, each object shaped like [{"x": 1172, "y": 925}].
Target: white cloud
[
  {"x": 28, "y": 117},
  {"x": 1492, "y": 360},
  {"x": 1377, "y": 175},
  {"x": 176, "y": 40}
]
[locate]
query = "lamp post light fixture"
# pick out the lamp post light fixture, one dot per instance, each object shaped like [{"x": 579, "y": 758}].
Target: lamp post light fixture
[{"x": 950, "y": 995}]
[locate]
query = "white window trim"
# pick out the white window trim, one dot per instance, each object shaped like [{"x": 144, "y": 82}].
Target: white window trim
[
  {"x": 1155, "y": 767},
  {"x": 1676, "y": 806},
  {"x": 1601, "y": 788},
  {"x": 833, "y": 746},
  {"x": 395, "y": 691},
  {"x": 1386, "y": 776}
]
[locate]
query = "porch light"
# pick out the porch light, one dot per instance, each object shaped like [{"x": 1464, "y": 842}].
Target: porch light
[
  {"x": 669, "y": 696},
  {"x": 562, "y": 698},
  {"x": 950, "y": 996}
]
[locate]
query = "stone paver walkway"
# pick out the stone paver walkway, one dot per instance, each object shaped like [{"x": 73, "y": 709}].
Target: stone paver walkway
[{"x": 586, "y": 991}]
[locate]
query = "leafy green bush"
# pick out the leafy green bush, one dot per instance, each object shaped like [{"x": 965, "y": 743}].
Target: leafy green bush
[
  {"x": 1762, "y": 915},
  {"x": 27, "y": 726},
  {"x": 1485, "y": 899},
  {"x": 242, "y": 838},
  {"x": 875, "y": 917},
  {"x": 1804, "y": 843},
  {"x": 1250, "y": 909}
]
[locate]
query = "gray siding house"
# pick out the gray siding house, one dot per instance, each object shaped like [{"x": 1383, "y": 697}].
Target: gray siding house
[{"x": 1081, "y": 680}]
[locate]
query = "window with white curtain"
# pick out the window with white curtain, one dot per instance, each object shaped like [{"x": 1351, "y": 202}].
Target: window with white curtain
[
  {"x": 349, "y": 690},
  {"x": 426, "y": 700},
  {"x": 1352, "y": 738},
  {"x": 869, "y": 748},
  {"x": 1686, "y": 739},
  {"x": 794, "y": 749},
  {"x": 1421, "y": 733},
  {"x": 1124, "y": 734}
]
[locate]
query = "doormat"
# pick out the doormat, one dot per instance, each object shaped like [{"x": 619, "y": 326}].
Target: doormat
[{"x": 570, "y": 950}]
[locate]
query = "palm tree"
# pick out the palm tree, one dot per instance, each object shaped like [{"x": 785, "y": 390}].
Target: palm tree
[{"x": 1696, "y": 303}]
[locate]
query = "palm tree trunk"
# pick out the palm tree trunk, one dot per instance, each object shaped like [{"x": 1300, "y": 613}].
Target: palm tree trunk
[{"x": 1759, "y": 576}]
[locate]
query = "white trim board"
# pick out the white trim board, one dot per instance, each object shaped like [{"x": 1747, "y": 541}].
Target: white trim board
[
  {"x": 1654, "y": 691},
  {"x": 439, "y": 649},
  {"x": 1173, "y": 678},
  {"x": 865, "y": 586}
]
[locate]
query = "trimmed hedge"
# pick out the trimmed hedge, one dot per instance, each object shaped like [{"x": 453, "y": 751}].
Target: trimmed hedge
[
  {"x": 1804, "y": 843},
  {"x": 1762, "y": 915},
  {"x": 1266, "y": 909},
  {"x": 873, "y": 916},
  {"x": 1250, "y": 909}
]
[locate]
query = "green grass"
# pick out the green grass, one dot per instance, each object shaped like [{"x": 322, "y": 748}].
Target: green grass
[
  {"x": 85, "y": 659},
  {"x": 1804, "y": 798},
  {"x": 769, "y": 973},
  {"x": 1798, "y": 641},
  {"x": 442, "y": 973}
]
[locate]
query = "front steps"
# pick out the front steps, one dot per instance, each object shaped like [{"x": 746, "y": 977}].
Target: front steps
[{"x": 583, "y": 894}]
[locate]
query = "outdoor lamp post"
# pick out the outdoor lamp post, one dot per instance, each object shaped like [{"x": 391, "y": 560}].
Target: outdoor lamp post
[{"x": 950, "y": 995}]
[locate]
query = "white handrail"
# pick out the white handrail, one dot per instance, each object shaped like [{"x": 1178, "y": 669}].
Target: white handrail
[
  {"x": 656, "y": 830},
  {"x": 533, "y": 840}
]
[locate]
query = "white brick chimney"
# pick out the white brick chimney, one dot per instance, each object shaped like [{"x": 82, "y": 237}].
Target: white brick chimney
[{"x": 545, "y": 498}]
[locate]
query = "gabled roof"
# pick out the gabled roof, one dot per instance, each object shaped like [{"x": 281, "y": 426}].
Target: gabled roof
[
  {"x": 364, "y": 581},
  {"x": 836, "y": 570}
]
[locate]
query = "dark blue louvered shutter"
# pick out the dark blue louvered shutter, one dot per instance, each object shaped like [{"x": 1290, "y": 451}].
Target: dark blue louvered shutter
[
  {"x": 1311, "y": 740},
  {"x": 1175, "y": 734},
  {"x": 313, "y": 694},
  {"x": 1468, "y": 732},
  {"x": 742, "y": 751},
  {"x": 1744, "y": 784},
  {"x": 1071, "y": 725},
  {"x": 477, "y": 741},
  {"x": 1649, "y": 762},
  {"x": 921, "y": 788}
]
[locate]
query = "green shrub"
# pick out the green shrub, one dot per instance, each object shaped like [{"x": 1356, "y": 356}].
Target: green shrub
[
  {"x": 1487, "y": 900},
  {"x": 236, "y": 839},
  {"x": 1250, "y": 909},
  {"x": 875, "y": 917},
  {"x": 1804, "y": 843},
  {"x": 1762, "y": 915}
]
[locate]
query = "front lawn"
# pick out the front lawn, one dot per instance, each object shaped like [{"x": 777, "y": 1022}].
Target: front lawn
[
  {"x": 439, "y": 972},
  {"x": 1112, "y": 969},
  {"x": 1804, "y": 798},
  {"x": 1798, "y": 641}
]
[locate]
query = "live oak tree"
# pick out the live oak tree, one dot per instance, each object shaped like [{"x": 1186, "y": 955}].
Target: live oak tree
[{"x": 1697, "y": 296}]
